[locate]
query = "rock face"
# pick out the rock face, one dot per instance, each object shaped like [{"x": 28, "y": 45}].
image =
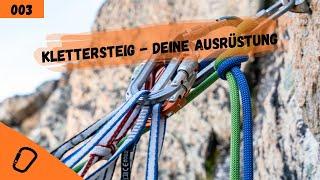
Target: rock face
[
  {"x": 287, "y": 102},
  {"x": 285, "y": 95},
  {"x": 14, "y": 111}
]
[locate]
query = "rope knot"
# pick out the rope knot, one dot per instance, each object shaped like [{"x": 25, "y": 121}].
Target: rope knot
[{"x": 228, "y": 63}]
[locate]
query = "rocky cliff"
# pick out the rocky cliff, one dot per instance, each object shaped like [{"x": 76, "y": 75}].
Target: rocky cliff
[{"x": 285, "y": 93}]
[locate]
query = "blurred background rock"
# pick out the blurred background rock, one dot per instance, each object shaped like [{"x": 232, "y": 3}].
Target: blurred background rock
[{"x": 285, "y": 93}]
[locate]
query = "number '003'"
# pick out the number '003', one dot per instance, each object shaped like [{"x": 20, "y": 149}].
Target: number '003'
[{"x": 21, "y": 9}]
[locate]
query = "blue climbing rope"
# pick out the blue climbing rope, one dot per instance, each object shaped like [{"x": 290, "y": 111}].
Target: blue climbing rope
[{"x": 233, "y": 64}]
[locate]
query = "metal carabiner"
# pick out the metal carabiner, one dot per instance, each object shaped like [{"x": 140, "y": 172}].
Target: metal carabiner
[
  {"x": 301, "y": 6},
  {"x": 286, "y": 6},
  {"x": 142, "y": 75},
  {"x": 283, "y": 6},
  {"x": 159, "y": 93},
  {"x": 185, "y": 88}
]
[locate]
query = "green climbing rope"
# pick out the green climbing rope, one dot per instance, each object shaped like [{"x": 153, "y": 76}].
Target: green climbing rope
[
  {"x": 235, "y": 128},
  {"x": 235, "y": 118},
  {"x": 201, "y": 87}
]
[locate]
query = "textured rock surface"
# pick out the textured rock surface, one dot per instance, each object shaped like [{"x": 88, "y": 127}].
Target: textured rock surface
[
  {"x": 286, "y": 96},
  {"x": 287, "y": 102},
  {"x": 13, "y": 111}
]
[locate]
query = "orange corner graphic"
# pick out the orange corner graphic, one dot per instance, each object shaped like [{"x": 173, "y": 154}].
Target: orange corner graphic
[{"x": 22, "y": 159}]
